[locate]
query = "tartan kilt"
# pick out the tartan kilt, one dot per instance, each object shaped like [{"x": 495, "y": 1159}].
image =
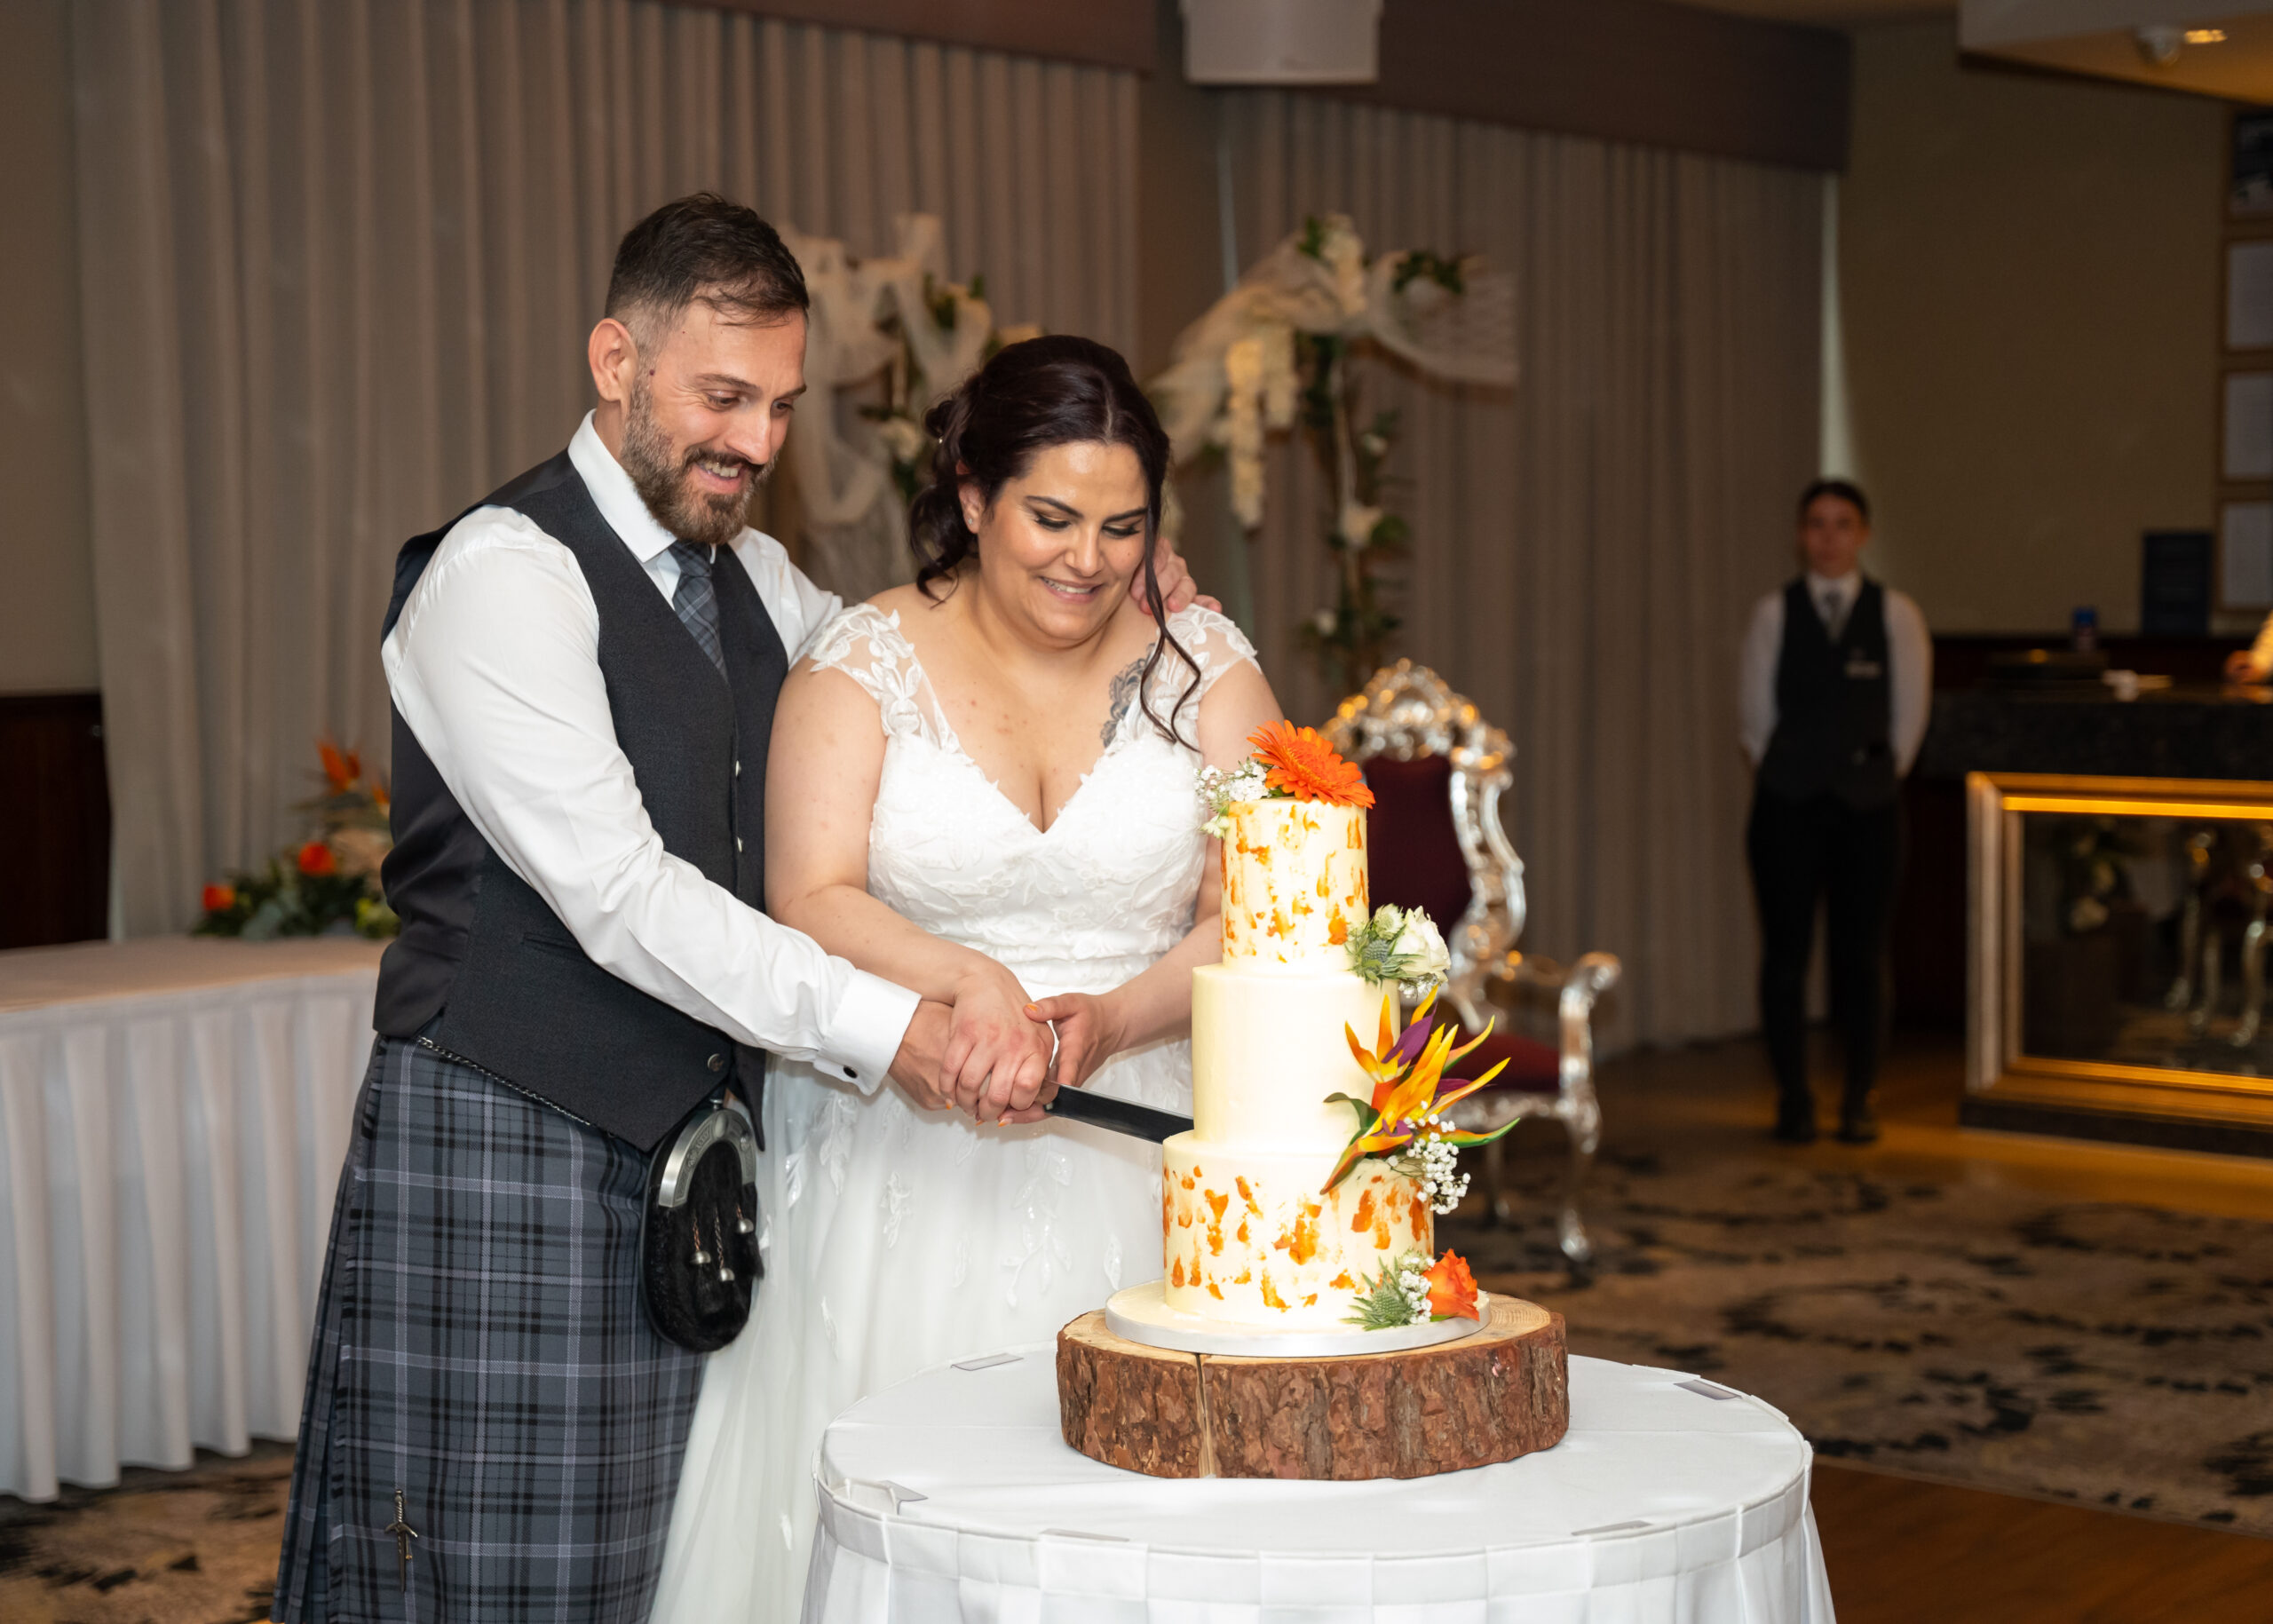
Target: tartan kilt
[{"x": 480, "y": 1348}]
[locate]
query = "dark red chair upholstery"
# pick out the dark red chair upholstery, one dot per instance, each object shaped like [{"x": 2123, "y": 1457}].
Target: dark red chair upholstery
[
  {"x": 1434, "y": 840},
  {"x": 1413, "y": 852}
]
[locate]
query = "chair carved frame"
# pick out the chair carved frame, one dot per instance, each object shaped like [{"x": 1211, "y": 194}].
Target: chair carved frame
[{"x": 1407, "y": 713}]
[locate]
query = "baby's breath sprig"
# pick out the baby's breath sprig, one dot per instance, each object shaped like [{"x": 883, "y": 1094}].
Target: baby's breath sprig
[
  {"x": 1221, "y": 791},
  {"x": 1433, "y": 1162}
]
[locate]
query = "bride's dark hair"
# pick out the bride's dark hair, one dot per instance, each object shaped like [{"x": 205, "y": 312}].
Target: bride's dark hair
[{"x": 1055, "y": 391}]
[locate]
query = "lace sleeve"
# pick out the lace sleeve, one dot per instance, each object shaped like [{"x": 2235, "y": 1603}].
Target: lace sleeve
[
  {"x": 1215, "y": 646},
  {"x": 865, "y": 644}
]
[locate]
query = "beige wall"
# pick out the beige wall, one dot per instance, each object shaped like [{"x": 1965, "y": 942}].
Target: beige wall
[
  {"x": 47, "y": 608},
  {"x": 2030, "y": 275}
]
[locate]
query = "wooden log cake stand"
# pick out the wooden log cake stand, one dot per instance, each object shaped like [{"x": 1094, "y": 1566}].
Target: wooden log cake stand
[{"x": 1502, "y": 1392}]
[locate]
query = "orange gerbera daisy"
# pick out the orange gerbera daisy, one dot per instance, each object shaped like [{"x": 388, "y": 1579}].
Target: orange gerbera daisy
[{"x": 1307, "y": 767}]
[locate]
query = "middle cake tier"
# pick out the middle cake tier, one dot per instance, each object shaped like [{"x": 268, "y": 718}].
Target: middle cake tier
[{"x": 1267, "y": 1047}]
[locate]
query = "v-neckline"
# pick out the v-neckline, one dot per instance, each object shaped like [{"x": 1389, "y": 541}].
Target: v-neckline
[{"x": 951, "y": 743}]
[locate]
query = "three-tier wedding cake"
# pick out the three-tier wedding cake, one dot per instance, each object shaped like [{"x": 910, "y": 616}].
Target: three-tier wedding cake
[{"x": 1276, "y": 1208}]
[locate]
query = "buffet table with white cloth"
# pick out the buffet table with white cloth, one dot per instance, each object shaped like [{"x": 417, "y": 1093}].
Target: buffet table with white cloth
[
  {"x": 953, "y": 1497},
  {"x": 173, "y": 1116}
]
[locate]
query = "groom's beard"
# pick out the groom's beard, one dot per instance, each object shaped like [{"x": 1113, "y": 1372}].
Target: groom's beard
[{"x": 663, "y": 476}]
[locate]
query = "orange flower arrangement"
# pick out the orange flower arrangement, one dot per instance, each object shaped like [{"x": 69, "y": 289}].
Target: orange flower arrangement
[
  {"x": 318, "y": 858},
  {"x": 1452, "y": 1288},
  {"x": 1300, "y": 764}
]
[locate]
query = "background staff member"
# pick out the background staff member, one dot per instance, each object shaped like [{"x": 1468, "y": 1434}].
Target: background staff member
[{"x": 1835, "y": 684}]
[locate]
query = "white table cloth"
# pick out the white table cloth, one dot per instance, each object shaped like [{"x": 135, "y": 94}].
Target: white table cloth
[
  {"x": 173, "y": 1116},
  {"x": 953, "y": 1497}
]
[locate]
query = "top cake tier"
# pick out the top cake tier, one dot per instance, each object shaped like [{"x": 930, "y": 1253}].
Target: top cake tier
[{"x": 1294, "y": 882}]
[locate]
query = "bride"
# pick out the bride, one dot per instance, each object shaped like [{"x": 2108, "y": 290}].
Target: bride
[{"x": 981, "y": 786}]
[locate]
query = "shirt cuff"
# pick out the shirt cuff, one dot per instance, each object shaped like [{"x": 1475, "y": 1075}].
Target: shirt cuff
[{"x": 871, "y": 1020}]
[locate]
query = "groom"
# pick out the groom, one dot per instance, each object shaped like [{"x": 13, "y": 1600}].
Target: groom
[{"x": 583, "y": 669}]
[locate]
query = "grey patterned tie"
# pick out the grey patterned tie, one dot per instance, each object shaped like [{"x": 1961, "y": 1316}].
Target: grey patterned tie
[
  {"x": 1832, "y": 620},
  {"x": 696, "y": 600}
]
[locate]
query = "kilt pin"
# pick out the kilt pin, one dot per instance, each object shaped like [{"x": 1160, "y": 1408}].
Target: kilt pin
[{"x": 489, "y": 1415}]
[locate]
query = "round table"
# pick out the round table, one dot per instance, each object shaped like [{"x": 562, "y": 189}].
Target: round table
[{"x": 953, "y": 1497}]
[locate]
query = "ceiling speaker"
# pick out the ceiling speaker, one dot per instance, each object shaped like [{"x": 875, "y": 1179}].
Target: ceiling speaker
[{"x": 1281, "y": 42}]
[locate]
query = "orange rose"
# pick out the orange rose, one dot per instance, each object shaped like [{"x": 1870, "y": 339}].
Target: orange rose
[
  {"x": 220, "y": 899},
  {"x": 316, "y": 859},
  {"x": 1452, "y": 1288}
]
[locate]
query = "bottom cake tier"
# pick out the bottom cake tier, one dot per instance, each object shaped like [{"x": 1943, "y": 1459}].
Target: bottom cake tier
[{"x": 1250, "y": 1238}]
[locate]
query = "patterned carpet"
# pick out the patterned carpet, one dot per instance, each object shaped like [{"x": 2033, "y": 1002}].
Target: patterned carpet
[
  {"x": 2114, "y": 1356},
  {"x": 164, "y": 1548}
]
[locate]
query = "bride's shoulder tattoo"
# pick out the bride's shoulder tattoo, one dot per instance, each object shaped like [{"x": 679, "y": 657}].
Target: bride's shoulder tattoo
[{"x": 1124, "y": 694}]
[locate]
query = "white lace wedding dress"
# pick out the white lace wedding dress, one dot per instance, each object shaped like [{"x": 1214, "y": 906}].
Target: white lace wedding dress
[{"x": 897, "y": 1239}]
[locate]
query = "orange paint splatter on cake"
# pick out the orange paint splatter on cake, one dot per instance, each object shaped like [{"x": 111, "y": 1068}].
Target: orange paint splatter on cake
[
  {"x": 1363, "y": 1219},
  {"x": 1342, "y": 1282},
  {"x": 1306, "y": 1244},
  {"x": 1271, "y": 1297},
  {"x": 1187, "y": 1181},
  {"x": 1381, "y": 1235},
  {"x": 1243, "y": 1277},
  {"x": 1218, "y": 1200},
  {"x": 1215, "y": 1291},
  {"x": 1338, "y": 931},
  {"x": 1175, "y": 1275}
]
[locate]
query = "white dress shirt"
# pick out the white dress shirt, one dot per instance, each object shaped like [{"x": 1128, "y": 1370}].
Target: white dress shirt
[
  {"x": 495, "y": 665},
  {"x": 1910, "y": 659}
]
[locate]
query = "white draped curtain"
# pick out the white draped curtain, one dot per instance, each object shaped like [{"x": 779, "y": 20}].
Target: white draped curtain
[
  {"x": 1587, "y": 545},
  {"x": 338, "y": 260}
]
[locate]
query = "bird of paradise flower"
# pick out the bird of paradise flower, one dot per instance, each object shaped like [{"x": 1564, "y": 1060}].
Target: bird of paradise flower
[{"x": 1407, "y": 1068}]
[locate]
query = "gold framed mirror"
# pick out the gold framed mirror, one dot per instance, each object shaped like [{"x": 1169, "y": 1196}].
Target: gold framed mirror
[{"x": 2119, "y": 957}]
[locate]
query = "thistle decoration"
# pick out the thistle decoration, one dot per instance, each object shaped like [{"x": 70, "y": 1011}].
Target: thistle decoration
[
  {"x": 1398, "y": 1295},
  {"x": 1411, "y": 1290}
]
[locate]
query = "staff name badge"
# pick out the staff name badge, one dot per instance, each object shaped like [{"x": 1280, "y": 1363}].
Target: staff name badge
[{"x": 1860, "y": 670}]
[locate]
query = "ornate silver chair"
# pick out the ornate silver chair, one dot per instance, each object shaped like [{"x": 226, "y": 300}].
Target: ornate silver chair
[{"x": 1438, "y": 770}]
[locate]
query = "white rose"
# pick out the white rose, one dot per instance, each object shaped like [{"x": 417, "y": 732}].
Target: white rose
[
  {"x": 906, "y": 440},
  {"x": 1358, "y": 524},
  {"x": 1418, "y": 942}
]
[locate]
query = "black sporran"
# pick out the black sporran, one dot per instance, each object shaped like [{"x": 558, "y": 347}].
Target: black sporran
[{"x": 698, "y": 1234}]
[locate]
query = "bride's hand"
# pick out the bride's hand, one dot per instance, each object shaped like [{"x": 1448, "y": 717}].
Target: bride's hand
[
  {"x": 1090, "y": 1031},
  {"x": 996, "y": 1060}
]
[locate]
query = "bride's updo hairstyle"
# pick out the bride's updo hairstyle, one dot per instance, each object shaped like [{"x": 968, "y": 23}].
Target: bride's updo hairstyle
[{"x": 1055, "y": 391}]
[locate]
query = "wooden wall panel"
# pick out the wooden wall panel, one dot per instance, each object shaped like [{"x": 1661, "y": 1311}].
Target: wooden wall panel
[{"x": 54, "y": 820}]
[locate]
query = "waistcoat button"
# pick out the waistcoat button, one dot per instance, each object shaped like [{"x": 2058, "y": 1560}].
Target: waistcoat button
[
  {"x": 738, "y": 843},
  {"x": 717, "y": 1063}
]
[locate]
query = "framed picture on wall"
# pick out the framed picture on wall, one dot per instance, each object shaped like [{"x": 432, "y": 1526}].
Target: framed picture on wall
[
  {"x": 2248, "y": 427},
  {"x": 2250, "y": 195},
  {"x": 2245, "y": 556},
  {"x": 2249, "y": 295}
]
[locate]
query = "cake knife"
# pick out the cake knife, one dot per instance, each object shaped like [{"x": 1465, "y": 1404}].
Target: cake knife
[{"x": 1104, "y": 1111}]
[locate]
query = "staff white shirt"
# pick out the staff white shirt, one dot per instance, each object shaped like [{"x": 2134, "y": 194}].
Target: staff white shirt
[
  {"x": 495, "y": 665},
  {"x": 1910, "y": 661}
]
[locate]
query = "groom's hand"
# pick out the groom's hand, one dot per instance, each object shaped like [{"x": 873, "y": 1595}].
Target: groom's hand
[
  {"x": 916, "y": 1068},
  {"x": 1177, "y": 589},
  {"x": 996, "y": 1060}
]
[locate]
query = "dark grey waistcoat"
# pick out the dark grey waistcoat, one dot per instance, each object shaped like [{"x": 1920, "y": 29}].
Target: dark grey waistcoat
[
  {"x": 1834, "y": 705},
  {"x": 516, "y": 995}
]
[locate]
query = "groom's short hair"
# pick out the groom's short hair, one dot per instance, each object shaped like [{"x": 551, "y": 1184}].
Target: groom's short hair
[{"x": 703, "y": 248}]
